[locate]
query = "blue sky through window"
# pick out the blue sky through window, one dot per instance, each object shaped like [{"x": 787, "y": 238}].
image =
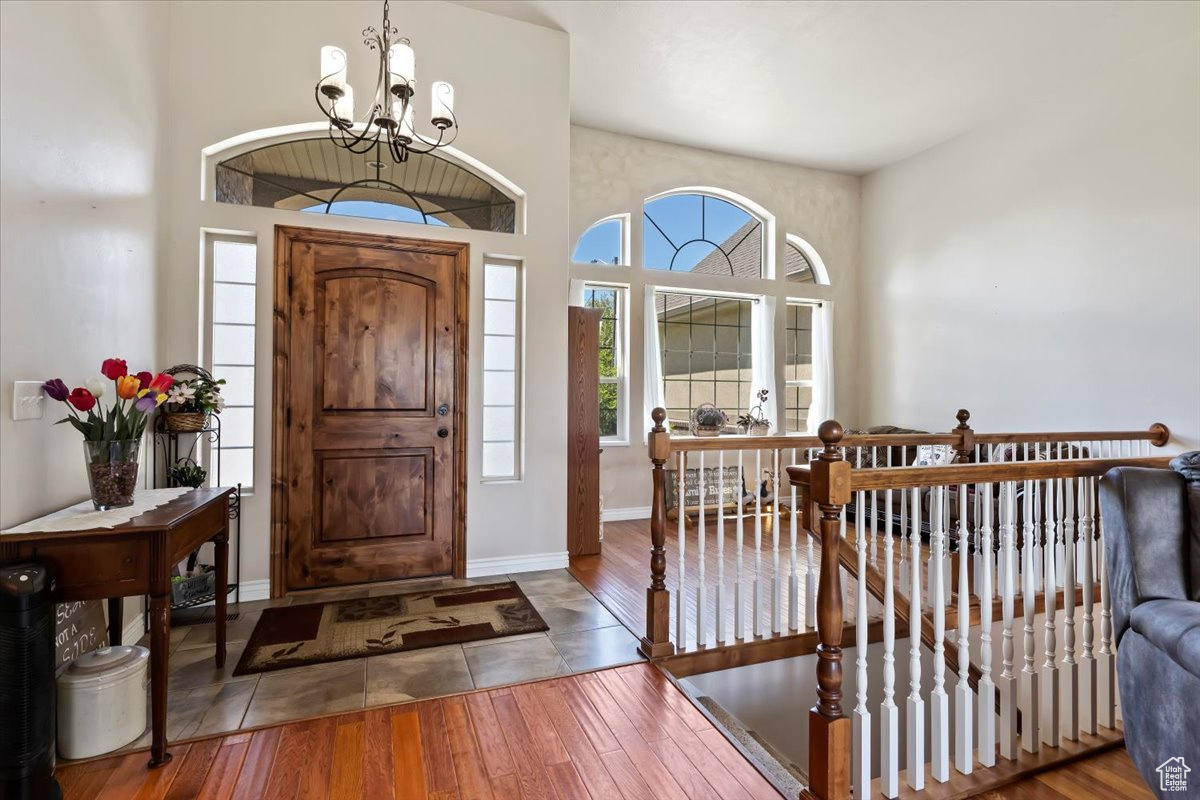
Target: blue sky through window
[
  {"x": 692, "y": 223},
  {"x": 600, "y": 244},
  {"x": 376, "y": 210}
]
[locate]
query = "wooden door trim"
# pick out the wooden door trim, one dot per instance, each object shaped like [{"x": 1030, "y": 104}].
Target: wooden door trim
[{"x": 285, "y": 235}]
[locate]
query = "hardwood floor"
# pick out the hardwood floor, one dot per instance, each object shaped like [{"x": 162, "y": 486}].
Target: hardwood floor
[
  {"x": 619, "y": 733},
  {"x": 1081, "y": 780}
]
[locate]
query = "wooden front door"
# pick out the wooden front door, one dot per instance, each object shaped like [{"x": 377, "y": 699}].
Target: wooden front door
[{"x": 370, "y": 356}]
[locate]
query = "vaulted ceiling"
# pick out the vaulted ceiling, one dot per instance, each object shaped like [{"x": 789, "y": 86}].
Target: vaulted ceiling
[{"x": 849, "y": 86}]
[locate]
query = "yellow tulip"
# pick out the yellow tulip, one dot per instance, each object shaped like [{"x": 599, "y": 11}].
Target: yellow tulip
[{"x": 162, "y": 398}]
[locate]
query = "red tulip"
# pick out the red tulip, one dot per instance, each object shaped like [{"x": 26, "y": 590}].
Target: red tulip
[
  {"x": 114, "y": 368},
  {"x": 162, "y": 382},
  {"x": 144, "y": 378},
  {"x": 82, "y": 399}
]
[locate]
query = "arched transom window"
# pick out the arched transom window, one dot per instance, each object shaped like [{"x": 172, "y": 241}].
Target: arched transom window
[
  {"x": 315, "y": 175},
  {"x": 702, "y": 234}
]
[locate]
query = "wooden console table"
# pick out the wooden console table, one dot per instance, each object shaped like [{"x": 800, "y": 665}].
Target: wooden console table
[{"x": 135, "y": 558}]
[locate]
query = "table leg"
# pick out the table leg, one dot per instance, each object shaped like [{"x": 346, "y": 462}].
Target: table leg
[
  {"x": 116, "y": 614},
  {"x": 221, "y": 543},
  {"x": 160, "y": 643}
]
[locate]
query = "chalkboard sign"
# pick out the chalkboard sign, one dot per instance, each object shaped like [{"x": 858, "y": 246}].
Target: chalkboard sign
[
  {"x": 731, "y": 490},
  {"x": 79, "y": 628}
]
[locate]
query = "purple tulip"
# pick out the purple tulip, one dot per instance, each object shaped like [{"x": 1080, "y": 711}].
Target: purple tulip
[
  {"x": 147, "y": 403},
  {"x": 56, "y": 389}
]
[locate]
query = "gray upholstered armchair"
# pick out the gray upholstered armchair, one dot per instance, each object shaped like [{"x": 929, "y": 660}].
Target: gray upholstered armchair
[{"x": 1152, "y": 542}]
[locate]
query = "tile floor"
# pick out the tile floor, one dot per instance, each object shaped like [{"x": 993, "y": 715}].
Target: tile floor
[{"x": 204, "y": 700}]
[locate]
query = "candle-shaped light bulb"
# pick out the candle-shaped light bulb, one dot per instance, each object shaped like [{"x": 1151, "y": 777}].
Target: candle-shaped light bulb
[
  {"x": 442, "y": 105},
  {"x": 343, "y": 107},
  {"x": 333, "y": 68},
  {"x": 401, "y": 66}
]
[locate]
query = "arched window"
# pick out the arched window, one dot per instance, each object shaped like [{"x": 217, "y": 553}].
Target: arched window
[
  {"x": 701, "y": 233},
  {"x": 606, "y": 241},
  {"x": 801, "y": 264},
  {"x": 313, "y": 174}
]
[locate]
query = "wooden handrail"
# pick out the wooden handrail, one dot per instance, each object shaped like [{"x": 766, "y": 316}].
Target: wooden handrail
[
  {"x": 691, "y": 444},
  {"x": 954, "y": 474},
  {"x": 1157, "y": 434}
]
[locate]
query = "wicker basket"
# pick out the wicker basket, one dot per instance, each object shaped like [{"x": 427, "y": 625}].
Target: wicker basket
[{"x": 184, "y": 421}]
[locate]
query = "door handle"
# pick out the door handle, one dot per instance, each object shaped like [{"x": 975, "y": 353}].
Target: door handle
[
  {"x": 443, "y": 433},
  {"x": 443, "y": 410}
]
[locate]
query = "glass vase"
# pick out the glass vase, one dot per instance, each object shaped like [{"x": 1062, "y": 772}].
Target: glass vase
[{"x": 112, "y": 471}]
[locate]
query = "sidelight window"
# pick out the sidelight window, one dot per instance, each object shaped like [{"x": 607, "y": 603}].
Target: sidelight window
[
  {"x": 613, "y": 301},
  {"x": 230, "y": 304},
  {"x": 503, "y": 288}
]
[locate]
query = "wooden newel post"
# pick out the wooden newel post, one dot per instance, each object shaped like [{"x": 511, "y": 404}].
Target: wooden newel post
[
  {"x": 828, "y": 728},
  {"x": 966, "y": 437},
  {"x": 657, "y": 641}
]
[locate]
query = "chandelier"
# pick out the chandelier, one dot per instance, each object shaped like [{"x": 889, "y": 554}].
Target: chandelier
[{"x": 390, "y": 118}]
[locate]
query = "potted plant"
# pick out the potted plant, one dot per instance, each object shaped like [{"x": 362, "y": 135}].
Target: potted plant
[
  {"x": 112, "y": 437},
  {"x": 708, "y": 420},
  {"x": 191, "y": 400},
  {"x": 187, "y": 472},
  {"x": 754, "y": 422}
]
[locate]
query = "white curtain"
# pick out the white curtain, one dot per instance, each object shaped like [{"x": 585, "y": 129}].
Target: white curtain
[
  {"x": 575, "y": 295},
  {"x": 822, "y": 389},
  {"x": 762, "y": 360},
  {"x": 653, "y": 392}
]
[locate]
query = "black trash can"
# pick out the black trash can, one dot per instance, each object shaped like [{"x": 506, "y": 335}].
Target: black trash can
[{"x": 27, "y": 691}]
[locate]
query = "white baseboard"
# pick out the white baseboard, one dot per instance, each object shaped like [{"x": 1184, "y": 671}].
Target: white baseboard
[
  {"x": 621, "y": 514},
  {"x": 482, "y": 567},
  {"x": 256, "y": 590}
]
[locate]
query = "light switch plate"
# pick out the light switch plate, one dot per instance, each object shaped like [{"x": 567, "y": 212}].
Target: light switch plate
[{"x": 28, "y": 400}]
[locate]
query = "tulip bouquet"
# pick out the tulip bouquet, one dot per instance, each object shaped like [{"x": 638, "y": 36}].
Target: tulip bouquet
[
  {"x": 136, "y": 396},
  {"x": 112, "y": 437}
]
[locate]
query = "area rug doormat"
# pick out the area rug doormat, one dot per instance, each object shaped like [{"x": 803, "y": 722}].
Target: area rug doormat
[{"x": 293, "y": 636}]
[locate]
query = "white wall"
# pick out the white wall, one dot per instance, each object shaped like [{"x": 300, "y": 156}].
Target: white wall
[
  {"x": 247, "y": 66},
  {"x": 1044, "y": 271},
  {"x": 612, "y": 173},
  {"x": 79, "y": 252}
]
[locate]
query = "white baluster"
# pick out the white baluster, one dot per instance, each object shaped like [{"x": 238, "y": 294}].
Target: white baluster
[
  {"x": 777, "y": 574},
  {"x": 1058, "y": 540},
  {"x": 939, "y": 701},
  {"x": 842, "y": 534},
  {"x": 889, "y": 714},
  {"x": 1007, "y": 685},
  {"x": 1039, "y": 537},
  {"x": 861, "y": 719},
  {"x": 680, "y": 594},
  {"x": 947, "y": 572},
  {"x": 964, "y": 722},
  {"x": 793, "y": 576},
  {"x": 977, "y": 550},
  {"x": 915, "y": 751},
  {"x": 875, "y": 516},
  {"x": 739, "y": 595},
  {"x": 756, "y": 620},
  {"x": 1106, "y": 669},
  {"x": 904, "y": 582},
  {"x": 987, "y": 689},
  {"x": 1070, "y": 669},
  {"x": 1087, "y": 663},
  {"x": 1050, "y": 676},
  {"x": 701, "y": 587},
  {"x": 810, "y": 577},
  {"x": 720, "y": 598},
  {"x": 1029, "y": 675}
]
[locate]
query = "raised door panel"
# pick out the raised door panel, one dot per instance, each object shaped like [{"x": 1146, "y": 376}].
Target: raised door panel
[
  {"x": 376, "y": 354},
  {"x": 375, "y": 495}
]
